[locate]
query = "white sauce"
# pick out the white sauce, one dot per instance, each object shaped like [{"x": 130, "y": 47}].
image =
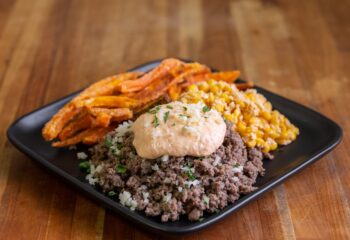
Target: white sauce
[{"x": 178, "y": 129}]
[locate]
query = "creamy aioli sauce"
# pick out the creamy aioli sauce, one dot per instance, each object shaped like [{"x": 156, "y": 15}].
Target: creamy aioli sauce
[{"x": 178, "y": 129}]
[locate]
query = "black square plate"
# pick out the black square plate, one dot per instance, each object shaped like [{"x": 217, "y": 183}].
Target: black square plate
[{"x": 318, "y": 135}]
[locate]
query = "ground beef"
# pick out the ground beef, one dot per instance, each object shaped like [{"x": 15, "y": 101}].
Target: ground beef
[{"x": 175, "y": 186}]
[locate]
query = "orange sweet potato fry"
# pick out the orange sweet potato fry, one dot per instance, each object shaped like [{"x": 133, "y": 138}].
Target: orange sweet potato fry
[
  {"x": 106, "y": 86},
  {"x": 174, "y": 92},
  {"x": 74, "y": 139},
  {"x": 244, "y": 86},
  {"x": 96, "y": 135},
  {"x": 53, "y": 127},
  {"x": 227, "y": 76},
  {"x": 166, "y": 67},
  {"x": 102, "y": 120},
  {"x": 107, "y": 101},
  {"x": 74, "y": 126},
  {"x": 117, "y": 114}
]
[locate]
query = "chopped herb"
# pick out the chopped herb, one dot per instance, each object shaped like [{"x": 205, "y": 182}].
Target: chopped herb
[
  {"x": 189, "y": 164},
  {"x": 155, "y": 121},
  {"x": 173, "y": 124},
  {"x": 201, "y": 219},
  {"x": 114, "y": 151},
  {"x": 206, "y": 108},
  {"x": 169, "y": 107},
  {"x": 236, "y": 165},
  {"x": 191, "y": 175},
  {"x": 183, "y": 115},
  {"x": 166, "y": 116},
  {"x": 111, "y": 194},
  {"x": 185, "y": 108},
  {"x": 206, "y": 200},
  {"x": 108, "y": 143},
  {"x": 119, "y": 146},
  {"x": 154, "y": 110},
  {"x": 85, "y": 166},
  {"x": 121, "y": 168}
]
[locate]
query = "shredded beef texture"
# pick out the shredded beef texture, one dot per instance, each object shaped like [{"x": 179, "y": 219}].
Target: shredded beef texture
[{"x": 181, "y": 185}]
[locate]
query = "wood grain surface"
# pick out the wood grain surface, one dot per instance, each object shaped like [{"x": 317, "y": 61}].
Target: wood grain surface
[{"x": 299, "y": 49}]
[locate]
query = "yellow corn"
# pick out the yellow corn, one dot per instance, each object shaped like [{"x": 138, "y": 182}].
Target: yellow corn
[{"x": 251, "y": 113}]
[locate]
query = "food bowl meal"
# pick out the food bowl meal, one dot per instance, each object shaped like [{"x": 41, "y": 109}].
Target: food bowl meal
[{"x": 179, "y": 140}]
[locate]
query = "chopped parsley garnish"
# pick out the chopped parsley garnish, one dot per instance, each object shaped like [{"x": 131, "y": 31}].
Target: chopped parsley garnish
[
  {"x": 236, "y": 165},
  {"x": 155, "y": 121},
  {"x": 191, "y": 175},
  {"x": 111, "y": 194},
  {"x": 108, "y": 143},
  {"x": 185, "y": 108},
  {"x": 183, "y": 115},
  {"x": 166, "y": 116},
  {"x": 206, "y": 108},
  {"x": 121, "y": 168},
  {"x": 201, "y": 219},
  {"x": 169, "y": 107},
  {"x": 206, "y": 200},
  {"x": 154, "y": 110},
  {"x": 85, "y": 166},
  {"x": 119, "y": 146},
  {"x": 173, "y": 124}
]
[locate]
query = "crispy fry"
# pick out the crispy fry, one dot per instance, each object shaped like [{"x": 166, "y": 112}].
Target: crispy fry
[
  {"x": 160, "y": 87},
  {"x": 106, "y": 86},
  {"x": 117, "y": 114},
  {"x": 107, "y": 101},
  {"x": 53, "y": 127},
  {"x": 174, "y": 92},
  {"x": 227, "y": 76},
  {"x": 89, "y": 136},
  {"x": 73, "y": 140},
  {"x": 74, "y": 126},
  {"x": 102, "y": 120},
  {"x": 96, "y": 135},
  {"x": 166, "y": 67},
  {"x": 243, "y": 86}
]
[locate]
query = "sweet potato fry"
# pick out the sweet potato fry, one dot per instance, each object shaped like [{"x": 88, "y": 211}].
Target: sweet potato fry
[
  {"x": 73, "y": 140},
  {"x": 74, "y": 126},
  {"x": 107, "y": 101},
  {"x": 96, "y": 135},
  {"x": 117, "y": 114},
  {"x": 159, "y": 87},
  {"x": 166, "y": 67},
  {"x": 53, "y": 127},
  {"x": 102, "y": 120},
  {"x": 174, "y": 92},
  {"x": 106, "y": 86},
  {"x": 227, "y": 76},
  {"x": 244, "y": 86}
]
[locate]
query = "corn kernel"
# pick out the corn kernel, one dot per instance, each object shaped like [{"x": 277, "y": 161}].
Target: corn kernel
[
  {"x": 214, "y": 89},
  {"x": 251, "y": 143},
  {"x": 193, "y": 88},
  {"x": 229, "y": 117}
]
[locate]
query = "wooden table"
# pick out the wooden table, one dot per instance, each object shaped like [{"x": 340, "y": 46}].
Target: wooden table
[{"x": 300, "y": 49}]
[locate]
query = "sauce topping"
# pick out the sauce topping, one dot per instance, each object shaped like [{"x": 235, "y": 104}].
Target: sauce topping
[{"x": 178, "y": 129}]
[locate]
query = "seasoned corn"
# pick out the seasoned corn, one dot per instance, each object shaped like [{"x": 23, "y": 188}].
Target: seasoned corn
[{"x": 251, "y": 113}]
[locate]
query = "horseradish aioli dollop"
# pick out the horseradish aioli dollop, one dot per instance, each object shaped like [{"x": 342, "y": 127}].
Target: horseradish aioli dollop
[{"x": 178, "y": 129}]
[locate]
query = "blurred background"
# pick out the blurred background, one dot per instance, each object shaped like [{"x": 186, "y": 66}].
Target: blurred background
[{"x": 299, "y": 49}]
